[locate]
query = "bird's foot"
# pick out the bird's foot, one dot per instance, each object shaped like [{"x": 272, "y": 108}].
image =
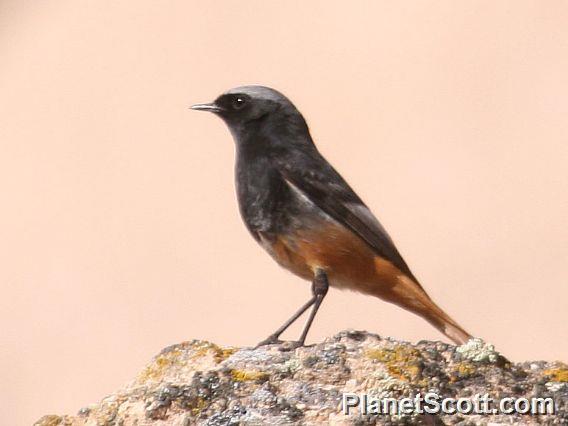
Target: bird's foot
[
  {"x": 270, "y": 340},
  {"x": 284, "y": 344},
  {"x": 290, "y": 345}
]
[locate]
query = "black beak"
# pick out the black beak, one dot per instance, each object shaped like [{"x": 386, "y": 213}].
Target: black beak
[{"x": 211, "y": 107}]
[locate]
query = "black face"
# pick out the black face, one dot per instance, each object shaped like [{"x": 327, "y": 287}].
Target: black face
[
  {"x": 233, "y": 103},
  {"x": 241, "y": 108},
  {"x": 250, "y": 108}
]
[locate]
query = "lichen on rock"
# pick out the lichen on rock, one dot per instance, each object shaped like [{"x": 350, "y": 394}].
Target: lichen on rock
[
  {"x": 202, "y": 383},
  {"x": 479, "y": 351}
]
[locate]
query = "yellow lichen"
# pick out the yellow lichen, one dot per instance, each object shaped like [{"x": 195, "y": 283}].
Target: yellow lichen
[
  {"x": 175, "y": 357},
  {"x": 49, "y": 420},
  {"x": 557, "y": 374},
  {"x": 162, "y": 362},
  {"x": 462, "y": 370},
  {"x": 200, "y": 405},
  {"x": 224, "y": 353},
  {"x": 247, "y": 376},
  {"x": 401, "y": 361},
  {"x": 203, "y": 348}
]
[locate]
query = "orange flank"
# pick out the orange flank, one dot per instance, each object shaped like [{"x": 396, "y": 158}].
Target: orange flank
[{"x": 350, "y": 263}]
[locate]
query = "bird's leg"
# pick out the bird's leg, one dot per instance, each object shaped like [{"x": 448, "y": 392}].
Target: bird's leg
[
  {"x": 320, "y": 286},
  {"x": 274, "y": 337},
  {"x": 319, "y": 290}
]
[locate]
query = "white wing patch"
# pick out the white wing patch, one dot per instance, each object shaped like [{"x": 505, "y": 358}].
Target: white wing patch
[
  {"x": 300, "y": 194},
  {"x": 359, "y": 210},
  {"x": 363, "y": 213}
]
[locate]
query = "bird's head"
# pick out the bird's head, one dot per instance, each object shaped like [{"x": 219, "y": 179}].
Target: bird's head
[{"x": 248, "y": 109}]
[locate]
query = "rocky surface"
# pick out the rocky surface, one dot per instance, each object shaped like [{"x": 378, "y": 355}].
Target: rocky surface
[{"x": 201, "y": 383}]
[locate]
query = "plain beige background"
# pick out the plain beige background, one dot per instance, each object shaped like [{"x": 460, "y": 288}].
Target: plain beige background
[{"x": 119, "y": 226}]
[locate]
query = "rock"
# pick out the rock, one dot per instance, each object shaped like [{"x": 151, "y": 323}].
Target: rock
[{"x": 201, "y": 383}]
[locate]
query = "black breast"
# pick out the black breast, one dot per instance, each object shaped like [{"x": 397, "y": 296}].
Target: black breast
[{"x": 265, "y": 199}]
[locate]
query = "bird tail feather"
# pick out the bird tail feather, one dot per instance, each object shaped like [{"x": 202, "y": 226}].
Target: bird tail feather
[{"x": 411, "y": 296}]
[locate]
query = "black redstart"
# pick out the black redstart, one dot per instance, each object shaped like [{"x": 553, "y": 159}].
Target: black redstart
[{"x": 307, "y": 217}]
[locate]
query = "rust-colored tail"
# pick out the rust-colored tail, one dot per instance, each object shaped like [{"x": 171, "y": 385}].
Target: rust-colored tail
[
  {"x": 410, "y": 295},
  {"x": 443, "y": 322}
]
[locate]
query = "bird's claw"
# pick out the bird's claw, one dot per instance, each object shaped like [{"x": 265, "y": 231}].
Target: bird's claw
[
  {"x": 270, "y": 340},
  {"x": 286, "y": 344}
]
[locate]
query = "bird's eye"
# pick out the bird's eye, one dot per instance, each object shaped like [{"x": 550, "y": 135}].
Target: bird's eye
[{"x": 238, "y": 102}]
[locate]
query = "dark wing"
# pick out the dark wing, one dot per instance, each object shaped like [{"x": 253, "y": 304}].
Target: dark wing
[{"x": 321, "y": 183}]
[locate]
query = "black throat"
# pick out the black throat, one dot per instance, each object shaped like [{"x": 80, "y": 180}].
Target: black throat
[{"x": 265, "y": 199}]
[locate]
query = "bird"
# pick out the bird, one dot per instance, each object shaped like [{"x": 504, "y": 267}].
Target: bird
[{"x": 307, "y": 217}]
